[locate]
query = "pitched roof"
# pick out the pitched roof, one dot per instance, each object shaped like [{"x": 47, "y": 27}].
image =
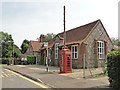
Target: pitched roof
[
  {"x": 36, "y": 45},
  {"x": 78, "y": 34}
]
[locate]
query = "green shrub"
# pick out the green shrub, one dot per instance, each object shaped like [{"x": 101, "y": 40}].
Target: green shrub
[
  {"x": 104, "y": 67},
  {"x": 113, "y": 68},
  {"x": 31, "y": 59},
  {"x": 4, "y": 60},
  {"x": 17, "y": 61}
]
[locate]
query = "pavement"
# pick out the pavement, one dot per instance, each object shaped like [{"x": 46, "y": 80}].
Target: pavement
[{"x": 55, "y": 80}]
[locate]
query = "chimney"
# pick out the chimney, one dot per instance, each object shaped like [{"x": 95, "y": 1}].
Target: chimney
[{"x": 42, "y": 38}]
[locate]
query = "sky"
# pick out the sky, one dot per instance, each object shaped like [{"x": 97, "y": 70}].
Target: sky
[{"x": 27, "y": 19}]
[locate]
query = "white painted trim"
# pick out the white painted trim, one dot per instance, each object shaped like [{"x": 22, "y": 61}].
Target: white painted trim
[
  {"x": 100, "y": 48},
  {"x": 74, "y": 51},
  {"x": 57, "y": 51}
]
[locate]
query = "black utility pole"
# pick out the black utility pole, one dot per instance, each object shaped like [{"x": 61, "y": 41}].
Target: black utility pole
[{"x": 64, "y": 29}]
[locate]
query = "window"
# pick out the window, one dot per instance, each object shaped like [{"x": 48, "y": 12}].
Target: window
[
  {"x": 56, "y": 50},
  {"x": 74, "y": 52},
  {"x": 101, "y": 49}
]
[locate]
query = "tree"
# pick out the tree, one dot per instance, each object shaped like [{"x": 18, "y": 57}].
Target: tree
[
  {"x": 6, "y": 37},
  {"x": 48, "y": 37},
  {"x": 8, "y": 45},
  {"x": 24, "y": 46},
  {"x": 17, "y": 52},
  {"x": 115, "y": 41}
]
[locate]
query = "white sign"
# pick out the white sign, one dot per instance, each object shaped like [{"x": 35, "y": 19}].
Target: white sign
[{"x": 45, "y": 44}]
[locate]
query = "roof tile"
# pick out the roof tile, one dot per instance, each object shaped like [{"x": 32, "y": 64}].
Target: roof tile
[
  {"x": 36, "y": 45},
  {"x": 76, "y": 34}
]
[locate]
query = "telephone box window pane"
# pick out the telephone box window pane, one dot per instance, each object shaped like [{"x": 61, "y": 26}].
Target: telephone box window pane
[
  {"x": 68, "y": 62},
  {"x": 62, "y": 58}
]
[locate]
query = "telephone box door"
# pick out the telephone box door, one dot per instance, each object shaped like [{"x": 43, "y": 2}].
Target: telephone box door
[
  {"x": 68, "y": 63},
  {"x": 65, "y": 61}
]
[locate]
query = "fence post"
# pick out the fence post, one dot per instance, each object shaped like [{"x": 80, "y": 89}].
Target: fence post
[
  {"x": 84, "y": 65},
  {"x": 36, "y": 60}
]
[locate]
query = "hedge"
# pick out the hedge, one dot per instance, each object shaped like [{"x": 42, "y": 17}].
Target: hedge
[
  {"x": 113, "y": 68},
  {"x": 17, "y": 61},
  {"x": 31, "y": 59},
  {"x": 5, "y": 60}
]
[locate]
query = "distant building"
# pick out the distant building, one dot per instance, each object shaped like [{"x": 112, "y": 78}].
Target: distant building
[{"x": 34, "y": 46}]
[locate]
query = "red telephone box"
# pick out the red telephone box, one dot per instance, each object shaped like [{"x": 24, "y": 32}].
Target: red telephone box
[{"x": 65, "y": 61}]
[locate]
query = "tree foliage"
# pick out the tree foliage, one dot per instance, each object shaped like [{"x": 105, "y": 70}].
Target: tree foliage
[
  {"x": 24, "y": 46},
  {"x": 113, "y": 67},
  {"x": 8, "y": 46},
  {"x": 17, "y": 52},
  {"x": 48, "y": 37},
  {"x": 115, "y": 41}
]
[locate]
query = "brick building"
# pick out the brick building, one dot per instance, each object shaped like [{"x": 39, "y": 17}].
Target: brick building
[
  {"x": 90, "y": 39},
  {"x": 35, "y": 46}
]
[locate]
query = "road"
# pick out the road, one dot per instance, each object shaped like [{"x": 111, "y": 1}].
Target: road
[{"x": 11, "y": 79}]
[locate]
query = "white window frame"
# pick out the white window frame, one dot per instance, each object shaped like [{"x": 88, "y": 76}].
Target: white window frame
[
  {"x": 101, "y": 51},
  {"x": 56, "y": 52},
  {"x": 74, "y": 52}
]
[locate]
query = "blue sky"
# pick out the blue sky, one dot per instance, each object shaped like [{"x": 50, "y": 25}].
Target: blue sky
[{"x": 27, "y": 20}]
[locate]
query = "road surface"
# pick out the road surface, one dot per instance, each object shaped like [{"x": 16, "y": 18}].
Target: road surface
[{"x": 11, "y": 79}]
